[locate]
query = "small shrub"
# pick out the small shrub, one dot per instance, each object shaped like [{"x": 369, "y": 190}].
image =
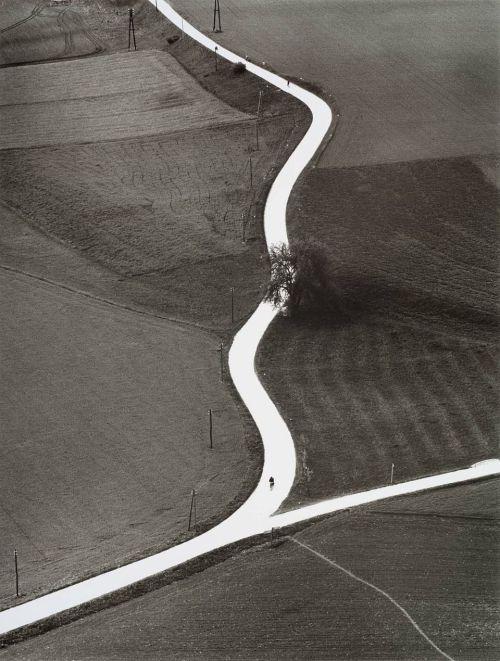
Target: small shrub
[
  {"x": 239, "y": 68},
  {"x": 173, "y": 39}
]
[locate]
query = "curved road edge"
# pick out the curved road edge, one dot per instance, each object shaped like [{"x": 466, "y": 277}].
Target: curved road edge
[{"x": 255, "y": 515}]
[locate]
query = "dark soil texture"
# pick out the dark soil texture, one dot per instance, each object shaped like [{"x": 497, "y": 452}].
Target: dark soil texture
[{"x": 406, "y": 374}]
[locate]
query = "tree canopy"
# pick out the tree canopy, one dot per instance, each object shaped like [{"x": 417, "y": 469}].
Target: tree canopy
[{"x": 301, "y": 278}]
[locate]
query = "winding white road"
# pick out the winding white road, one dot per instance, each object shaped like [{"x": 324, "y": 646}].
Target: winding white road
[{"x": 255, "y": 515}]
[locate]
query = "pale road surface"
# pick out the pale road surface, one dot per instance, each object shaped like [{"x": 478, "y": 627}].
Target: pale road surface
[
  {"x": 412, "y": 79},
  {"x": 255, "y": 515}
]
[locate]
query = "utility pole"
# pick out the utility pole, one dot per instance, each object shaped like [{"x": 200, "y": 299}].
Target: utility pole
[
  {"x": 392, "y": 473},
  {"x": 257, "y": 133},
  {"x": 259, "y": 105},
  {"x": 251, "y": 171},
  {"x": 131, "y": 28},
  {"x": 211, "y": 428},
  {"x": 17, "y": 573},
  {"x": 192, "y": 510},
  {"x": 217, "y": 17},
  {"x": 232, "y": 304}
]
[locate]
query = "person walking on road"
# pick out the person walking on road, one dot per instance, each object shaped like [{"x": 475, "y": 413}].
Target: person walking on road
[{"x": 271, "y": 482}]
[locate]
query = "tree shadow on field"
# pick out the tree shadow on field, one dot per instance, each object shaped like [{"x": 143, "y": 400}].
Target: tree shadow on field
[
  {"x": 356, "y": 299},
  {"x": 366, "y": 300}
]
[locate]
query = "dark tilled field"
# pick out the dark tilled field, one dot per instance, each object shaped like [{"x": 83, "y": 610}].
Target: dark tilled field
[
  {"x": 284, "y": 602},
  {"x": 407, "y": 374}
]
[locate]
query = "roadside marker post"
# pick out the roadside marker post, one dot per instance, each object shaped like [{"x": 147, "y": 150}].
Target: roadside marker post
[
  {"x": 217, "y": 17},
  {"x": 220, "y": 350},
  {"x": 17, "y": 573},
  {"x": 211, "y": 428},
  {"x": 215, "y": 54},
  {"x": 131, "y": 28},
  {"x": 192, "y": 511},
  {"x": 392, "y": 473}
]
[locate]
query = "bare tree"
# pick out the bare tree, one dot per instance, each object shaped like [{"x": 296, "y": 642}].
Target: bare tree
[{"x": 301, "y": 278}]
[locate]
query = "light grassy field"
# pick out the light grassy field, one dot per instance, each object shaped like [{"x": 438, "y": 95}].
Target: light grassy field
[
  {"x": 104, "y": 434},
  {"x": 105, "y": 410},
  {"x": 107, "y": 98},
  {"x": 412, "y": 80},
  {"x": 284, "y": 602}
]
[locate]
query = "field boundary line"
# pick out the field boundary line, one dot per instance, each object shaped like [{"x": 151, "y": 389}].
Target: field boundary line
[
  {"x": 255, "y": 515},
  {"x": 377, "y": 589},
  {"x": 106, "y": 301}
]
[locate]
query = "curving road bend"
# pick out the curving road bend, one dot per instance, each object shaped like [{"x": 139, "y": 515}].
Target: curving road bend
[{"x": 255, "y": 515}]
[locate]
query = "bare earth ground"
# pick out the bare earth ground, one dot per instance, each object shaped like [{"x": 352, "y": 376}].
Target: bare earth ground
[
  {"x": 408, "y": 376},
  {"x": 284, "y": 602},
  {"x": 125, "y": 211}
]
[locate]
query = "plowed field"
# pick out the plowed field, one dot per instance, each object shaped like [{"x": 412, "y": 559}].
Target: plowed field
[
  {"x": 407, "y": 376},
  {"x": 433, "y": 553}
]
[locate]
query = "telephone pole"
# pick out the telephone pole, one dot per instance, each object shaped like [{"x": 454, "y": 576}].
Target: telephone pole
[
  {"x": 131, "y": 28},
  {"x": 192, "y": 510},
  {"x": 220, "y": 350},
  {"x": 217, "y": 17},
  {"x": 17, "y": 573}
]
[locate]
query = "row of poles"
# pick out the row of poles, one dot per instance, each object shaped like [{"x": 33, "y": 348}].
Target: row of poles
[
  {"x": 193, "y": 512},
  {"x": 217, "y": 26}
]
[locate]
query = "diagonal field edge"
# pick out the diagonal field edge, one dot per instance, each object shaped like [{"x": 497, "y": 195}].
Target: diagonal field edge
[
  {"x": 377, "y": 589},
  {"x": 255, "y": 515}
]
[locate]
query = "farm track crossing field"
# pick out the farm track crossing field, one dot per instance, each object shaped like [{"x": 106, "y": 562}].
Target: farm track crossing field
[
  {"x": 433, "y": 553},
  {"x": 37, "y": 30}
]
